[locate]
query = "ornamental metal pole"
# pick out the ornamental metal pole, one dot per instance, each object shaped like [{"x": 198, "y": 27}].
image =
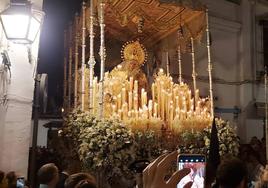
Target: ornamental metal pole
[
  {"x": 209, "y": 66},
  {"x": 70, "y": 68},
  {"x": 76, "y": 62},
  {"x": 179, "y": 61},
  {"x": 194, "y": 71},
  {"x": 91, "y": 61},
  {"x": 83, "y": 56},
  {"x": 102, "y": 54},
  {"x": 65, "y": 72},
  {"x": 266, "y": 111}
]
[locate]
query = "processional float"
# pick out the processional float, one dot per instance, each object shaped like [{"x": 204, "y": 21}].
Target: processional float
[{"x": 124, "y": 92}]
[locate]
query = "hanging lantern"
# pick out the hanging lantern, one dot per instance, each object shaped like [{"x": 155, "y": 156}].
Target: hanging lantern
[{"x": 20, "y": 22}]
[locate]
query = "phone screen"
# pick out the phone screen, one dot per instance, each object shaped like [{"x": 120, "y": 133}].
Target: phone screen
[
  {"x": 197, "y": 164},
  {"x": 20, "y": 182}
]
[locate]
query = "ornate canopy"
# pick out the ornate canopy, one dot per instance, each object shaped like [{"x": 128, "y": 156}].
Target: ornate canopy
[{"x": 158, "y": 19}]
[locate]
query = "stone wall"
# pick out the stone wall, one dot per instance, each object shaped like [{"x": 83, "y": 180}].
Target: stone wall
[{"x": 16, "y": 113}]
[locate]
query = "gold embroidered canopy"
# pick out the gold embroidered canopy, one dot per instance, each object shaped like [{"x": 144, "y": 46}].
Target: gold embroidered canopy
[{"x": 158, "y": 19}]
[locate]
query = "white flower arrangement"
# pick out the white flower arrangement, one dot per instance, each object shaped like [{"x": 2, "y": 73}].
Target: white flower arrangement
[
  {"x": 102, "y": 145},
  {"x": 199, "y": 142},
  {"x": 110, "y": 146}
]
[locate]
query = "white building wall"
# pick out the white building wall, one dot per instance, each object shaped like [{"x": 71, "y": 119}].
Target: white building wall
[{"x": 15, "y": 115}]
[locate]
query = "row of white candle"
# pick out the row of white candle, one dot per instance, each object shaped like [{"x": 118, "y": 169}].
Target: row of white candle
[{"x": 169, "y": 102}]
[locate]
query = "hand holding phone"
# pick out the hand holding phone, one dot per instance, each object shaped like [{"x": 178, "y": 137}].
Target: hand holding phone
[
  {"x": 197, "y": 164},
  {"x": 154, "y": 174}
]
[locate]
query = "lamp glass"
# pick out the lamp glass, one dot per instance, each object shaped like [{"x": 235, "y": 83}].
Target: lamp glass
[
  {"x": 16, "y": 25},
  {"x": 33, "y": 29},
  {"x": 21, "y": 23}
]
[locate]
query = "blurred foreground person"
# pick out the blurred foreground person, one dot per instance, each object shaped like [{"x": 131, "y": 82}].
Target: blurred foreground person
[
  {"x": 80, "y": 180},
  {"x": 48, "y": 176},
  {"x": 231, "y": 173},
  {"x": 154, "y": 174},
  {"x": 3, "y": 182},
  {"x": 11, "y": 179}
]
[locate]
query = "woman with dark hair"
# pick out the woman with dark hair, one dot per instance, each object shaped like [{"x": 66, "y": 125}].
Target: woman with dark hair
[
  {"x": 3, "y": 183},
  {"x": 11, "y": 179},
  {"x": 80, "y": 180}
]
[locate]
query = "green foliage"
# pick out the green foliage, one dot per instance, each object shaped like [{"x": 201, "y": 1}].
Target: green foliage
[
  {"x": 101, "y": 144},
  {"x": 199, "y": 141},
  {"x": 108, "y": 145}
]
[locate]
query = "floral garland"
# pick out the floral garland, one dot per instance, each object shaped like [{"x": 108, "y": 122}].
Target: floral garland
[
  {"x": 199, "y": 141},
  {"x": 101, "y": 144},
  {"x": 111, "y": 146}
]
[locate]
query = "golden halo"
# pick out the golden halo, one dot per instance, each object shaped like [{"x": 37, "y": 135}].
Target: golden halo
[{"x": 134, "y": 50}]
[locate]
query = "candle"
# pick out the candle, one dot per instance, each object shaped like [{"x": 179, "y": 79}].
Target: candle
[
  {"x": 163, "y": 104},
  {"x": 125, "y": 111},
  {"x": 171, "y": 113},
  {"x": 131, "y": 84},
  {"x": 119, "y": 101},
  {"x": 153, "y": 91},
  {"x": 177, "y": 101},
  {"x": 150, "y": 106},
  {"x": 123, "y": 95},
  {"x": 114, "y": 110},
  {"x": 184, "y": 104},
  {"x": 136, "y": 114},
  {"x": 177, "y": 112},
  {"x": 145, "y": 98},
  {"x": 135, "y": 86},
  {"x": 159, "y": 96},
  {"x": 120, "y": 114},
  {"x": 135, "y": 102},
  {"x": 169, "y": 101},
  {"x": 130, "y": 98},
  {"x": 155, "y": 109},
  {"x": 142, "y": 97},
  {"x": 115, "y": 102},
  {"x": 145, "y": 112}
]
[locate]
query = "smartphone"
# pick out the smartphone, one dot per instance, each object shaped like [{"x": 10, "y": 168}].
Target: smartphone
[
  {"x": 20, "y": 182},
  {"x": 197, "y": 164}
]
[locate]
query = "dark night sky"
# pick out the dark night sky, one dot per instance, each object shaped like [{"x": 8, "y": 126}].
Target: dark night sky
[{"x": 58, "y": 14}]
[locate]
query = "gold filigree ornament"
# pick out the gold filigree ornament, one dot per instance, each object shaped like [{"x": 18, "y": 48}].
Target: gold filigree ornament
[{"x": 134, "y": 50}]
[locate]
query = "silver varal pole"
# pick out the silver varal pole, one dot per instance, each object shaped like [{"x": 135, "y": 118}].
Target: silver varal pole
[
  {"x": 102, "y": 59},
  {"x": 194, "y": 71},
  {"x": 65, "y": 72},
  {"x": 70, "y": 68},
  {"x": 179, "y": 61},
  {"x": 91, "y": 61},
  {"x": 266, "y": 112},
  {"x": 76, "y": 62},
  {"x": 209, "y": 66},
  {"x": 167, "y": 63},
  {"x": 83, "y": 56}
]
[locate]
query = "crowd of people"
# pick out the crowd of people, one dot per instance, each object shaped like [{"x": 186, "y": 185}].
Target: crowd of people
[
  {"x": 12, "y": 180},
  {"x": 246, "y": 171},
  {"x": 254, "y": 156},
  {"x": 231, "y": 173}
]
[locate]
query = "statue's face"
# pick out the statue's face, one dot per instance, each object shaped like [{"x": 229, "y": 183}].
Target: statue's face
[
  {"x": 134, "y": 52},
  {"x": 133, "y": 65}
]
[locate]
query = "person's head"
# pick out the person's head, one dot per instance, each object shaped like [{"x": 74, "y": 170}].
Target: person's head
[
  {"x": 11, "y": 179},
  {"x": 231, "y": 173},
  {"x": 71, "y": 168},
  {"x": 2, "y": 175},
  {"x": 80, "y": 180},
  {"x": 48, "y": 174}
]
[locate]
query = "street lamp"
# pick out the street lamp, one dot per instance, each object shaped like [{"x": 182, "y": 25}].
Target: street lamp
[{"x": 20, "y": 22}]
